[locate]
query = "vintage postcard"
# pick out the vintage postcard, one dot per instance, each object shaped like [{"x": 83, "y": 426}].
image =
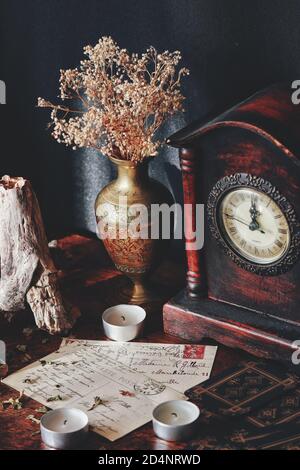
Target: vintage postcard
[
  {"x": 116, "y": 398},
  {"x": 117, "y": 384},
  {"x": 180, "y": 366}
]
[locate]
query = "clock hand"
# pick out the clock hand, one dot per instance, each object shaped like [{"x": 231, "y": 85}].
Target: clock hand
[
  {"x": 238, "y": 220},
  {"x": 253, "y": 210},
  {"x": 244, "y": 223},
  {"x": 254, "y": 225}
]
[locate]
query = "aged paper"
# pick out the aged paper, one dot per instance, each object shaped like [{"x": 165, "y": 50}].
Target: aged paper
[
  {"x": 180, "y": 366},
  {"x": 78, "y": 376},
  {"x": 130, "y": 379}
]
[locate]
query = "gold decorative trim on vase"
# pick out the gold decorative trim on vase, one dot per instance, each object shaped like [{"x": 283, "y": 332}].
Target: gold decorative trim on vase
[{"x": 136, "y": 257}]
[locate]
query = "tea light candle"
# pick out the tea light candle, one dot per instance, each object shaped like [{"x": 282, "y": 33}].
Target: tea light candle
[
  {"x": 123, "y": 322},
  {"x": 175, "y": 420},
  {"x": 64, "y": 428}
]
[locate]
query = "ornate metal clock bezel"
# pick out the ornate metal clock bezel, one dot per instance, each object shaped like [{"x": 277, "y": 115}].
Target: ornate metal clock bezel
[{"x": 245, "y": 180}]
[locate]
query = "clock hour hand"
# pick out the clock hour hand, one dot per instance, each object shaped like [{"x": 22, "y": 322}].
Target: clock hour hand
[
  {"x": 253, "y": 209},
  {"x": 244, "y": 223},
  {"x": 254, "y": 225}
]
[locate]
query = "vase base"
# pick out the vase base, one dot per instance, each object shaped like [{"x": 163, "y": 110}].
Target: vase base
[{"x": 138, "y": 294}]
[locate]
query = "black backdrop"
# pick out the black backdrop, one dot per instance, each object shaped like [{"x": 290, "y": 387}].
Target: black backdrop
[{"x": 232, "y": 47}]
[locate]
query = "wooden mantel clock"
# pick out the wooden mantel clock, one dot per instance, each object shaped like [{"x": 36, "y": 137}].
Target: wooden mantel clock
[{"x": 243, "y": 286}]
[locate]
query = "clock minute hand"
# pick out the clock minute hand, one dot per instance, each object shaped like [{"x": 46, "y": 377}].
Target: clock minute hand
[
  {"x": 238, "y": 220},
  {"x": 242, "y": 222}
]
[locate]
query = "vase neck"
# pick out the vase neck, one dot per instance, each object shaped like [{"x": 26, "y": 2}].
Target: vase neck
[{"x": 129, "y": 175}]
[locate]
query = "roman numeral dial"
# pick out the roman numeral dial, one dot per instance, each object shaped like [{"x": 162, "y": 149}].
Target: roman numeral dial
[{"x": 254, "y": 225}]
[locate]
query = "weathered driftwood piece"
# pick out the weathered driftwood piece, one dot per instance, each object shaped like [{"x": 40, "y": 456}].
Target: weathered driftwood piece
[{"x": 27, "y": 272}]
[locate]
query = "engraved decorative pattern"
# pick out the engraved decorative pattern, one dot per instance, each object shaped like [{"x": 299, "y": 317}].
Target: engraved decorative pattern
[{"x": 245, "y": 180}]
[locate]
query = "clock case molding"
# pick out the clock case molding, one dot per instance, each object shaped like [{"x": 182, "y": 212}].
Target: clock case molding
[{"x": 255, "y": 311}]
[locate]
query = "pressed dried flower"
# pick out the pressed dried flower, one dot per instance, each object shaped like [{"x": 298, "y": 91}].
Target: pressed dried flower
[
  {"x": 119, "y": 100},
  {"x": 97, "y": 401},
  {"x": 15, "y": 403},
  {"x": 33, "y": 419},
  {"x": 43, "y": 363},
  {"x": 28, "y": 380},
  {"x": 55, "y": 398},
  {"x": 42, "y": 409}
]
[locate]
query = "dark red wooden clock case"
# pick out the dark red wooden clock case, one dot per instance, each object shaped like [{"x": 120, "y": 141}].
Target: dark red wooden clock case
[{"x": 222, "y": 299}]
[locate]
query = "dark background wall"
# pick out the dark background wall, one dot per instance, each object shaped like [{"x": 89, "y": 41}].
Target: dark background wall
[{"x": 232, "y": 48}]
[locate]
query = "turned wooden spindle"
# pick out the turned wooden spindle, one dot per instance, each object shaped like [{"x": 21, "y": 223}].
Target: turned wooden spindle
[{"x": 196, "y": 278}]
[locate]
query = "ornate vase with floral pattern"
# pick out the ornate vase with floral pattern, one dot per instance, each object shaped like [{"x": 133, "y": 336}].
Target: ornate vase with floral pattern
[{"x": 127, "y": 223}]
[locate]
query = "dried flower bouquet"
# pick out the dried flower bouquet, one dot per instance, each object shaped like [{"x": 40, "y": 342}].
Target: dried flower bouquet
[{"x": 117, "y": 100}]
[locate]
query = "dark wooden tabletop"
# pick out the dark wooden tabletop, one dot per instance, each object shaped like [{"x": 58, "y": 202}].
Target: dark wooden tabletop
[{"x": 89, "y": 279}]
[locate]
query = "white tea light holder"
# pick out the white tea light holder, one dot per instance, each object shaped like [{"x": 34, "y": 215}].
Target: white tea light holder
[
  {"x": 123, "y": 322},
  {"x": 64, "y": 428},
  {"x": 175, "y": 420}
]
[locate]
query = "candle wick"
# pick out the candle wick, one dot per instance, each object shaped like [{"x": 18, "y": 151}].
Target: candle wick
[
  {"x": 123, "y": 317},
  {"x": 174, "y": 414},
  {"x": 65, "y": 422}
]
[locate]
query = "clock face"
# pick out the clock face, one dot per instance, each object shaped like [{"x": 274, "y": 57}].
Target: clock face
[{"x": 254, "y": 225}]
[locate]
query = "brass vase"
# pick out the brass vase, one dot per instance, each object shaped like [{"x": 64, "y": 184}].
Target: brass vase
[{"x": 136, "y": 257}]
